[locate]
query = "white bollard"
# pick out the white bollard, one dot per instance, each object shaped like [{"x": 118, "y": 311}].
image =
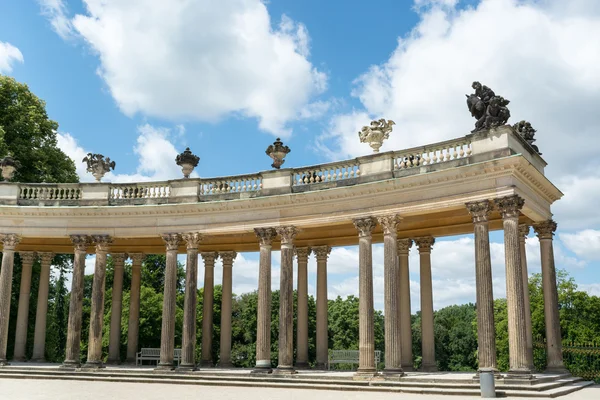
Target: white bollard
[{"x": 487, "y": 384}]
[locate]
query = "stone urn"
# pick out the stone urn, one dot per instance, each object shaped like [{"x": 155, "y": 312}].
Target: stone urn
[
  {"x": 9, "y": 165},
  {"x": 187, "y": 161},
  {"x": 98, "y": 165},
  {"x": 376, "y": 133},
  {"x": 277, "y": 151}
]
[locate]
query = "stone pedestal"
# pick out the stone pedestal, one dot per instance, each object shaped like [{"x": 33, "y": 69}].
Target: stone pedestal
[
  {"x": 428, "y": 341},
  {"x": 167, "y": 334},
  {"x": 9, "y": 243},
  {"x": 133, "y": 323},
  {"x": 486, "y": 331},
  {"x": 263, "y": 323},
  {"x": 322, "y": 253},
  {"x": 207, "y": 308},
  {"x": 545, "y": 231},
  {"x": 114, "y": 344},
  {"x": 366, "y": 322},
  {"x": 94, "y": 358},
  {"x": 286, "y": 301},
  {"x": 406, "y": 354},
  {"x": 39, "y": 339},
  {"x": 391, "y": 276},
  {"x": 226, "y": 299},
  {"x": 523, "y": 232},
  {"x": 73, "y": 349},
  {"x": 302, "y": 324},
  {"x": 510, "y": 208},
  {"x": 188, "y": 343},
  {"x": 27, "y": 260}
]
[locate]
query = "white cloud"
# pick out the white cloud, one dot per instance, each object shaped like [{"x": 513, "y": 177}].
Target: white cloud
[
  {"x": 9, "y": 54},
  {"x": 593, "y": 289},
  {"x": 586, "y": 243},
  {"x": 200, "y": 60},
  {"x": 576, "y": 209}
]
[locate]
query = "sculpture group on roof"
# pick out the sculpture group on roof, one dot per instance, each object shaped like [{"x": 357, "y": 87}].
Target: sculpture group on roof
[{"x": 487, "y": 108}]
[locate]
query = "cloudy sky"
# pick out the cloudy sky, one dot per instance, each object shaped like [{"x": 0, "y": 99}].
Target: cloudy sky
[{"x": 139, "y": 80}]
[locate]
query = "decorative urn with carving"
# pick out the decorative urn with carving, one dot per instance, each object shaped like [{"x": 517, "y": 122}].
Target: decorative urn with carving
[
  {"x": 98, "y": 165},
  {"x": 376, "y": 133},
  {"x": 277, "y": 151},
  {"x": 9, "y": 165},
  {"x": 187, "y": 161}
]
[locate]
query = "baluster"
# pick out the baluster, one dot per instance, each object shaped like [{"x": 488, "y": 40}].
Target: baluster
[{"x": 461, "y": 154}]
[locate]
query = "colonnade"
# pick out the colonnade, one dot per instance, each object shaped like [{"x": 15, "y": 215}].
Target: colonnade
[{"x": 398, "y": 335}]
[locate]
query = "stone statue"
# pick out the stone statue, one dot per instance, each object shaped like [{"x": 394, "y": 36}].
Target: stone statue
[
  {"x": 376, "y": 133},
  {"x": 98, "y": 165},
  {"x": 488, "y": 109},
  {"x": 526, "y": 131}
]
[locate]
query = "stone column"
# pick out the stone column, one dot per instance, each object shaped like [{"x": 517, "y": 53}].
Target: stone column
[
  {"x": 263, "y": 323},
  {"x": 167, "y": 334},
  {"x": 427, "y": 337},
  {"x": 94, "y": 358},
  {"x": 226, "y": 299},
  {"x": 207, "y": 308},
  {"x": 39, "y": 339},
  {"x": 27, "y": 260},
  {"x": 486, "y": 331},
  {"x": 366, "y": 321},
  {"x": 302, "y": 327},
  {"x": 188, "y": 343},
  {"x": 133, "y": 325},
  {"x": 114, "y": 343},
  {"x": 321, "y": 253},
  {"x": 510, "y": 208},
  {"x": 391, "y": 276},
  {"x": 73, "y": 349},
  {"x": 9, "y": 242},
  {"x": 545, "y": 231},
  {"x": 523, "y": 232},
  {"x": 406, "y": 355},
  {"x": 286, "y": 301}
]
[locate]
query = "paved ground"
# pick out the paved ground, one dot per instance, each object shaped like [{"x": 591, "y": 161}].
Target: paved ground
[{"x": 31, "y": 389}]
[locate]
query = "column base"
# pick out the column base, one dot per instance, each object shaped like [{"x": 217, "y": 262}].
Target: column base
[
  {"x": 364, "y": 374},
  {"x": 284, "y": 371},
  {"x": 302, "y": 365},
  {"x": 391, "y": 373},
  {"x": 19, "y": 359},
  {"x": 559, "y": 370},
  {"x": 206, "y": 364},
  {"x": 113, "y": 362},
  {"x": 225, "y": 365},
  {"x": 93, "y": 365},
  {"x": 70, "y": 365},
  {"x": 321, "y": 366},
  {"x": 497, "y": 374},
  {"x": 186, "y": 368},
  {"x": 407, "y": 368},
  {"x": 428, "y": 368},
  {"x": 165, "y": 366},
  {"x": 516, "y": 375},
  {"x": 261, "y": 370},
  {"x": 4, "y": 362}
]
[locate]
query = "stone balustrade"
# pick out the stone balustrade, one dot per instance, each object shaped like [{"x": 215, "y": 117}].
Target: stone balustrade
[{"x": 473, "y": 148}]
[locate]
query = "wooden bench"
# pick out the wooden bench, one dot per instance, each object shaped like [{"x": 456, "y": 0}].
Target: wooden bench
[
  {"x": 348, "y": 357},
  {"x": 151, "y": 354}
]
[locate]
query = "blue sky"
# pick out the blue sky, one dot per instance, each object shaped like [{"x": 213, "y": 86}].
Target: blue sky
[{"x": 139, "y": 80}]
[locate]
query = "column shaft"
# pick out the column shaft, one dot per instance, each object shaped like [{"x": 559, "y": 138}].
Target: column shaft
[
  {"x": 302, "y": 328},
  {"x": 226, "y": 299},
  {"x": 366, "y": 321},
  {"x": 39, "y": 339},
  {"x": 114, "y": 344},
  {"x": 545, "y": 232},
  {"x": 188, "y": 344},
  {"x": 207, "y": 308},
  {"x": 167, "y": 334},
  {"x": 263, "y": 323},
  {"x": 94, "y": 359},
  {"x": 427, "y": 334},
  {"x": 486, "y": 331},
  {"x": 321, "y": 253},
  {"x": 133, "y": 324},
  {"x": 73, "y": 349},
  {"x": 286, "y": 300},
  {"x": 27, "y": 260},
  {"x": 523, "y": 232},
  {"x": 509, "y": 208},
  {"x": 406, "y": 354},
  {"x": 9, "y": 241}
]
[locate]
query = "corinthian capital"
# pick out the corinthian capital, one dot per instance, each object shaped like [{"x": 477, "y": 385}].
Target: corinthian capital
[
  {"x": 479, "y": 210},
  {"x": 119, "y": 259},
  {"x": 425, "y": 243},
  {"x": 172, "y": 240},
  {"x": 404, "y": 245},
  {"x": 102, "y": 242},
  {"x": 545, "y": 230},
  {"x": 80, "y": 242},
  {"x": 46, "y": 257},
  {"x": 28, "y": 257},
  {"x": 265, "y": 235},
  {"x": 510, "y": 206},
  {"x": 321, "y": 252},
  {"x": 227, "y": 257},
  {"x": 523, "y": 231},
  {"x": 302, "y": 253},
  {"x": 365, "y": 226},
  {"x": 10, "y": 241},
  {"x": 192, "y": 240},
  {"x": 389, "y": 223},
  {"x": 209, "y": 258},
  {"x": 287, "y": 234},
  {"x": 136, "y": 259}
]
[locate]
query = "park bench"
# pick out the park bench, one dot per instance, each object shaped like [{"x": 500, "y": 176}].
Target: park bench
[
  {"x": 151, "y": 354},
  {"x": 348, "y": 357}
]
